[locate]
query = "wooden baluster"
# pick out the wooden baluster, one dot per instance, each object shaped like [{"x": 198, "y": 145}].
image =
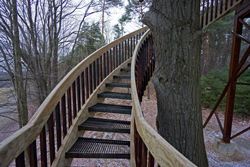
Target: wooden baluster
[
  {"x": 140, "y": 150},
  {"x": 212, "y": 10},
  {"x": 113, "y": 64},
  {"x": 144, "y": 154},
  {"x": 151, "y": 160},
  {"x": 58, "y": 126},
  {"x": 136, "y": 145},
  {"x": 226, "y": 5},
  {"x": 104, "y": 65},
  {"x": 83, "y": 88},
  {"x": 51, "y": 138},
  {"x": 120, "y": 55},
  {"x": 32, "y": 154},
  {"x": 69, "y": 107},
  {"x": 87, "y": 83},
  {"x": 78, "y": 90},
  {"x": 107, "y": 62},
  {"x": 64, "y": 121},
  {"x": 97, "y": 72},
  {"x": 216, "y": 8},
  {"x": 74, "y": 99},
  {"x": 125, "y": 50},
  {"x": 20, "y": 162},
  {"x": 94, "y": 73},
  {"x": 110, "y": 61},
  {"x": 43, "y": 148},
  {"x": 101, "y": 74},
  {"x": 116, "y": 64},
  {"x": 207, "y": 11},
  {"x": 221, "y": 6},
  {"x": 90, "y": 79},
  {"x": 133, "y": 45},
  {"x": 202, "y": 15},
  {"x": 122, "y": 52}
]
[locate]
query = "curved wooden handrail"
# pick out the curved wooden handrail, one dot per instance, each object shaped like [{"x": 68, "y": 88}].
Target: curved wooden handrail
[
  {"x": 161, "y": 150},
  {"x": 13, "y": 146}
]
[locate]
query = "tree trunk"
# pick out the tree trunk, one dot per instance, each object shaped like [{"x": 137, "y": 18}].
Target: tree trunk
[
  {"x": 19, "y": 85},
  {"x": 103, "y": 7},
  {"x": 176, "y": 31}
]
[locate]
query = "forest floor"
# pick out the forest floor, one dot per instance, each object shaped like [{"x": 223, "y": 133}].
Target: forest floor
[{"x": 149, "y": 107}]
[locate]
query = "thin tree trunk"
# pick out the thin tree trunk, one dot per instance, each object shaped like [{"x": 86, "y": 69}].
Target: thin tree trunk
[
  {"x": 19, "y": 85},
  {"x": 176, "y": 31},
  {"x": 207, "y": 50},
  {"x": 103, "y": 21}
]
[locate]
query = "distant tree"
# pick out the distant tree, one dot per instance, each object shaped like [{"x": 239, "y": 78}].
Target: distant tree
[
  {"x": 89, "y": 40},
  {"x": 217, "y": 41},
  {"x": 124, "y": 19},
  {"x": 117, "y": 31},
  {"x": 136, "y": 9},
  {"x": 44, "y": 27},
  {"x": 10, "y": 52},
  {"x": 106, "y": 4}
]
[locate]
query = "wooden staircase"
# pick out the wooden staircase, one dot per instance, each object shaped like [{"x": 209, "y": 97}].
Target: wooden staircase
[{"x": 104, "y": 148}]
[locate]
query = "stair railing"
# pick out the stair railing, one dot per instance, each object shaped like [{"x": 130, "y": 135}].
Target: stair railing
[
  {"x": 213, "y": 10},
  {"x": 147, "y": 146},
  {"x": 54, "y": 120}
]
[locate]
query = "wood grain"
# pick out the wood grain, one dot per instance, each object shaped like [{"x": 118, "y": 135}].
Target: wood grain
[
  {"x": 224, "y": 12},
  {"x": 20, "y": 140},
  {"x": 162, "y": 151},
  {"x": 82, "y": 116}
]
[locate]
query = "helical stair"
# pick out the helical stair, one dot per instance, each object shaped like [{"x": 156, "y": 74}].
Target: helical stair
[{"x": 69, "y": 110}]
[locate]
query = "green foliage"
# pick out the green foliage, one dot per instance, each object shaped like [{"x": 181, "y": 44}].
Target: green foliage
[
  {"x": 242, "y": 99},
  {"x": 117, "y": 31},
  {"x": 214, "y": 83},
  {"x": 125, "y": 18},
  {"x": 89, "y": 40}
]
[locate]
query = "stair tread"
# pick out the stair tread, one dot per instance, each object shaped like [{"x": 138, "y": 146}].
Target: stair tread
[
  {"x": 112, "y": 108},
  {"x": 105, "y": 125},
  {"x": 123, "y": 85},
  {"x": 99, "y": 148},
  {"x": 115, "y": 95},
  {"x": 126, "y": 69},
  {"x": 122, "y": 76}
]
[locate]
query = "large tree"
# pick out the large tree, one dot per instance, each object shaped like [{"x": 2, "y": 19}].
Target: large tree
[{"x": 176, "y": 31}]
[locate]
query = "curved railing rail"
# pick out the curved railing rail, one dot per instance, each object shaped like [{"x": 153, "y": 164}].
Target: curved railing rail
[
  {"x": 55, "y": 120},
  {"x": 143, "y": 136},
  {"x": 65, "y": 104}
]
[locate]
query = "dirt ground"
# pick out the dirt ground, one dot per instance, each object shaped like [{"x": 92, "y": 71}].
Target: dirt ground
[{"x": 149, "y": 107}]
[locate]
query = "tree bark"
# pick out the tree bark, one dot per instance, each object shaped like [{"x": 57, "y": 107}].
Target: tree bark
[
  {"x": 176, "y": 31},
  {"x": 103, "y": 7},
  {"x": 19, "y": 85}
]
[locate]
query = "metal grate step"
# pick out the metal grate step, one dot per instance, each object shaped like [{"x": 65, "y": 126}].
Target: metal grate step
[
  {"x": 105, "y": 125},
  {"x": 121, "y": 85},
  {"x": 99, "y": 148},
  {"x": 122, "y": 77},
  {"x": 115, "y": 95},
  {"x": 126, "y": 69},
  {"x": 111, "y": 108}
]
